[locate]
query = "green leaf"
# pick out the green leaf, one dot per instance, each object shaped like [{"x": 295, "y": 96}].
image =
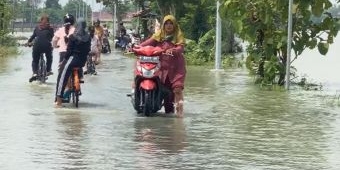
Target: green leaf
[
  {"x": 312, "y": 43},
  {"x": 317, "y": 8},
  {"x": 270, "y": 41},
  {"x": 330, "y": 39},
  {"x": 323, "y": 48}
]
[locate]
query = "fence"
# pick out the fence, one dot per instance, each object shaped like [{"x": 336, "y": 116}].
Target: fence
[{"x": 28, "y": 26}]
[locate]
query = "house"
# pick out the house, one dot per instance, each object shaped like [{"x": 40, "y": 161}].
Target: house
[{"x": 104, "y": 17}]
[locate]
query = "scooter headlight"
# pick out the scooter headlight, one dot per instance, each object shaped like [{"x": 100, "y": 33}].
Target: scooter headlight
[{"x": 148, "y": 73}]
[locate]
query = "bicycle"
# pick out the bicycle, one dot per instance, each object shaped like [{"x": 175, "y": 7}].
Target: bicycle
[
  {"x": 42, "y": 68},
  {"x": 42, "y": 73},
  {"x": 75, "y": 86},
  {"x": 90, "y": 65}
]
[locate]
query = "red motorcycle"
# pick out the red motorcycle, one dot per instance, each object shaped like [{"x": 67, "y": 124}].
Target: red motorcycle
[{"x": 149, "y": 93}]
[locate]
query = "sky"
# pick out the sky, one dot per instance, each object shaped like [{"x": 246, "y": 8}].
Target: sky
[{"x": 95, "y": 6}]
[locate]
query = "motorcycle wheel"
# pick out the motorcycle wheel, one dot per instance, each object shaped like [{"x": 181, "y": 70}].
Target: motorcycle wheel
[{"x": 147, "y": 108}]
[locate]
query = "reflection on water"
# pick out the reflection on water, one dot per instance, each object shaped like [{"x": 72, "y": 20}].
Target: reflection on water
[
  {"x": 255, "y": 129},
  {"x": 165, "y": 134},
  {"x": 73, "y": 132},
  {"x": 229, "y": 123},
  {"x": 158, "y": 139}
]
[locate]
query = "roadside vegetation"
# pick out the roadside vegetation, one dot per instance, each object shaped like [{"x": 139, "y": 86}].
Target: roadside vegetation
[
  {"x": 8, "y": 46},
  {"x": 262, "y": 24},
  {"x": 7, "y": 43}
]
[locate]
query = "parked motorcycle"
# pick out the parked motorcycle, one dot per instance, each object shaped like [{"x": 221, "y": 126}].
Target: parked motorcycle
[
  {"x": 148, "y": 91},
  {"x": 135, "y": 40}
]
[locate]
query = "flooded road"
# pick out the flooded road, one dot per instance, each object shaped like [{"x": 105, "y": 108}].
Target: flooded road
[{"x": 229, "y": 123}]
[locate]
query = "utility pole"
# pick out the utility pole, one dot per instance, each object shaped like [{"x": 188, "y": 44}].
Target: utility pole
[
  {"x": 14, "y": 17},
  {"x": 86, "y": 15},
  {"x": 83, "y": 9},
  {"x": 289, "y": 43},
  {"x": 218, "y": 38},
  {"x": 92, "y": 4},
  {"x": 32, "y": 8},
  {"x": 114, "y": 21}
]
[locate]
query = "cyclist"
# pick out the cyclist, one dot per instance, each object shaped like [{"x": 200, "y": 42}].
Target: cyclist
[
  {"x": 61, "y": 36},
  {"x": 106, "y": 38},
  {"x": 78, "y": 48},
  {"x": 94, "y": 49},
  {"x": 42, "y": 37}
]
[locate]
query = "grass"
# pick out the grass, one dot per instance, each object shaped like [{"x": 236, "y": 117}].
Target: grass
[{"x": 7, "y": 51}]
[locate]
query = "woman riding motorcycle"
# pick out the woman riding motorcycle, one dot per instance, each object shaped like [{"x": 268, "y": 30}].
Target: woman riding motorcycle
[{"x": 170, "y": 38}]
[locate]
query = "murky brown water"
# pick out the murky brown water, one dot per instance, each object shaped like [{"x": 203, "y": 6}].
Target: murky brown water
[{"x": 229, "y": 124}]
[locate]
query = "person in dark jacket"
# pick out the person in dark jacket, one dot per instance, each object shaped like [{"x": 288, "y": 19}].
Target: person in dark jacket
[
  {"x": 42, "y": 37},
  {"x": 78, "y": 48}
]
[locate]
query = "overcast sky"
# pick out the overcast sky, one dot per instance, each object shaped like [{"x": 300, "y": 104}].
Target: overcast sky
[{"x": 95, "y": 6}]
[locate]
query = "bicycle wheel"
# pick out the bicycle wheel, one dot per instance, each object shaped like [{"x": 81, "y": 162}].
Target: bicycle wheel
[
  {"x": 75, "y": 97},
  {"x": 76, "y": 93},
  {"x": 90, "y": 65},
  {"x": 42, "y": 69},
  {"x": 76, "y": 86},
  {"x": 93, "y": 67}
]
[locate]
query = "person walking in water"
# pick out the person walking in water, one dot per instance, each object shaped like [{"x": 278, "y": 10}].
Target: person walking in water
[{"x": 170, "y": 37}]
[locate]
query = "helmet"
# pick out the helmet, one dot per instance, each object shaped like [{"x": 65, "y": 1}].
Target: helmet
[{"x": 68, "y": 19}]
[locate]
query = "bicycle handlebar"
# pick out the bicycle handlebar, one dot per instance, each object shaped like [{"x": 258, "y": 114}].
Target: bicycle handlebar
[{"x": 26, "y": 44}]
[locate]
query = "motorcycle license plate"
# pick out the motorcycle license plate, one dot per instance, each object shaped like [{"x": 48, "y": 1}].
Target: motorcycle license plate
[{"x": 149, "y": 59}]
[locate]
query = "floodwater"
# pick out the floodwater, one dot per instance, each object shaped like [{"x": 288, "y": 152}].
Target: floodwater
[{"x": 229, "y": 122}]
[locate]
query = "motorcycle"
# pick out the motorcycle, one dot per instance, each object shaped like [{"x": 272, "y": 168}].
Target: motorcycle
[
  {"x": 135, "y": 40},
  {"x": 122, "y": 41},
  {"x": 149, "y": 93},
  {"x": 106, "y": 46}
]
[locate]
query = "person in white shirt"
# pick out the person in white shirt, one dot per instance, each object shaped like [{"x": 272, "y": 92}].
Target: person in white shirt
[{"x": 60, "y": 38}]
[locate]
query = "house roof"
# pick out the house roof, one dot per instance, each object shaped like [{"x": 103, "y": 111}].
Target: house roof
[{"x": 102, "y": 16}]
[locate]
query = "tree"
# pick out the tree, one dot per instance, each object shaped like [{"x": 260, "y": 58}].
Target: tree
[
  {"x": 75, "y": 7},
  {"x": 198, "y": 19},
  {"x": 264, "y": 25},
  {"x": 4, "y": 17},
  {"x": 52, "y": 4},
  {"x": 53, "y": 10}
]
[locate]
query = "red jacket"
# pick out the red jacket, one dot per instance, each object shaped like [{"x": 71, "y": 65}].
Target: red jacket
[{"x": 172, "y": 67}]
